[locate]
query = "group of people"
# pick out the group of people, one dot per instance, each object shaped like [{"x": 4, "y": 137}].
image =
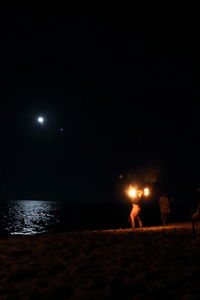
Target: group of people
[{"x": 164, "y": 205}]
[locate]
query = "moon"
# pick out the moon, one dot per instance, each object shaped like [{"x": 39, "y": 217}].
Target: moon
[{"x": 40, "y": 120}]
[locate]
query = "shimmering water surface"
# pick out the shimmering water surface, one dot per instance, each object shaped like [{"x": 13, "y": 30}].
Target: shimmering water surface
[
  {"x": 32, "y": 217},
  {"x": 29, "y": 217}
]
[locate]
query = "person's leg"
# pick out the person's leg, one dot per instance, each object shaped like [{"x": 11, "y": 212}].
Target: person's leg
[
  {"x": 132, "y": 221},
  {"x": 139, "y": 221},
  {"x": 166, "y": 219},
  {"x": 163, "y": 218}
]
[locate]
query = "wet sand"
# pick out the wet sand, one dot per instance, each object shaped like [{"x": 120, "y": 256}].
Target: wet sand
[{"x": 148, "y": 263}]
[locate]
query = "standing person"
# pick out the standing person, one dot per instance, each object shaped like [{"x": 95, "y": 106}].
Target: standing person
[
  {"x": 164, "y": 208},
  {"x": 134, "y": 215}
]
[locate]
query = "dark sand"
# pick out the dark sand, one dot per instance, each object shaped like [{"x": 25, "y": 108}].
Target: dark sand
[{"x": 149, "y": 263}]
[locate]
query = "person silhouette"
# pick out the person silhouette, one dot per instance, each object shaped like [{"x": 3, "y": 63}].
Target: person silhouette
[
  {"x": 164, "y": 208},
  {"x": 134, "y": 215}
]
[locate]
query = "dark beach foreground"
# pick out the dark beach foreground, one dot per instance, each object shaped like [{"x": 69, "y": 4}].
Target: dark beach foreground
[{"x": 148, "y": 263}]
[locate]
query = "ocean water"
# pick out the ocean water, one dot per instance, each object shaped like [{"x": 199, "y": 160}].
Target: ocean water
[{"x": 28, "y": 217}]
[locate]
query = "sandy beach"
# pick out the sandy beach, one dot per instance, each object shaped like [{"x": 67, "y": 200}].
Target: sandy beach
[{"x": 148, "y": 263}]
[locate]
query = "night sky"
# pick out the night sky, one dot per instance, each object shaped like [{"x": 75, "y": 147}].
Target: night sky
[{"x": 122, "y": 82}]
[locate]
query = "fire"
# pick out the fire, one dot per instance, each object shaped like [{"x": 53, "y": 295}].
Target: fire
[
  {"x": 146, "y": 192},
  {"x": 132, "y": 192}
]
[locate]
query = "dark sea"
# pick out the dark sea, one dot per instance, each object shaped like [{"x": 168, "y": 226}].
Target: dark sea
[{"x": 28, "y": 217}]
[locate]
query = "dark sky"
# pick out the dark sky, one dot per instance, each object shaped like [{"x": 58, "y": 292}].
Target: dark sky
[{"x": 123, "y": 83}]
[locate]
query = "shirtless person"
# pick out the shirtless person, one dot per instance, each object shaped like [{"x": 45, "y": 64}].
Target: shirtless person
[{"x": 134, "y": 215}]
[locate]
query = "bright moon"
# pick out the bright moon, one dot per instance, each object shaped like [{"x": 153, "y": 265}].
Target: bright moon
[{"x": 40, "y": 120}]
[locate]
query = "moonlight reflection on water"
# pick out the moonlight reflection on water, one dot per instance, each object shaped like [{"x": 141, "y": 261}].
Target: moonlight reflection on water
[{"x": 28, "y": 217}]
